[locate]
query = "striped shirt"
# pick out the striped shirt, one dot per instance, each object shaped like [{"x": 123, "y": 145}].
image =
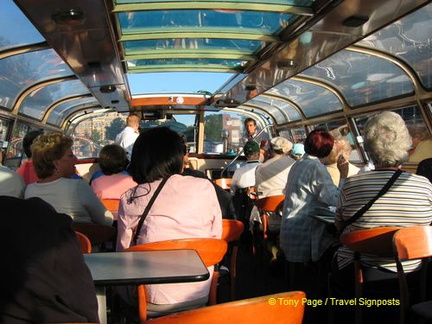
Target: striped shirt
[{"x": 407, "y": 203}]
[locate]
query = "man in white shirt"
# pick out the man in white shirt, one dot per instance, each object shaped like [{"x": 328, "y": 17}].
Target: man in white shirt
[{"x": 126, "y": 138}]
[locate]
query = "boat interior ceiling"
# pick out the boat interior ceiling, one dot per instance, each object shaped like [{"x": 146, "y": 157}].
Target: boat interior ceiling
[{"x": 295, "y": 62}]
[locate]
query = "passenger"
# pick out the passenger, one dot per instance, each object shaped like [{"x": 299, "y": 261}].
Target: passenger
[
  {"x": 297, "y": 151},
  {"x": 11, "y": 183},
  {"x": 244, "y": 177},
  {"x": 114, "y": 180},
  {"x": 263, "y": 139},
  {"x": 309, "y": 189},
  {"x": 341, "y": 147},
  {"x": 425, "y": 169},
  {"x": 186, "y": 207},
  {"x": 127, "y": 137},
  {"x": 421, "y": 142},
  {"x": 330, "y": 161},
  {"x": 243, "y": 181},
  {"x": 26, "y": 170},
  {"x": 45, "y": 278},
  {"x": 407, "y": 202},
  {"x": 54, "y": 163},
  {"x": 271, "y": 178},
  {"x": 224, "y": 197}
]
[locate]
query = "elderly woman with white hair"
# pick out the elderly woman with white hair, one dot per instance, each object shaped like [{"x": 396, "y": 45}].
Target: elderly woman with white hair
[{"x": 407, "y": 201}]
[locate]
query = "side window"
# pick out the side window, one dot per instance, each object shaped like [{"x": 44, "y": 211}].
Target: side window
[
  {"x": 223, "y": 132},
  {"x": 15, "y": 153}
]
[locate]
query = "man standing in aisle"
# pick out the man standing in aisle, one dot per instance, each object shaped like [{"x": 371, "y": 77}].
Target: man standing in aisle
[
  {"x": 262, "y": 139},
  {"x": 126, "y": 138}
]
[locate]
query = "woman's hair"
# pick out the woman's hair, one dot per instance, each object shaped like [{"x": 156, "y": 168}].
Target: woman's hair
[
  {"x": 386, "y": 139},
  {"x": 28, "y": 141},
  {"x": 319, "y": 143},
  {"x": 157, "y": 153},
  {"x": 47, "y": 148},
  {"x": 112, "y": 159}
]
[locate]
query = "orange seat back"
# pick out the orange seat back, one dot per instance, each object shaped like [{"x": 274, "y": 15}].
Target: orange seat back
[
  {"x": 84, "y": 242},
  {"x": 270, "y": 203},
  {"x": 377, "y": 241},
  {"x": 231, "y": 230},
  {"x": 111, "y": 204},
  {"x": 287, "y": 308},
  {"x": 224, "y": 183},
  {"x": 210, "y": 250},
  {"x": 96, "y": 233}
]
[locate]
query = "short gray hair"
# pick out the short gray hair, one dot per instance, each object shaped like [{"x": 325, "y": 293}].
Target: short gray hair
[{"x": 386, "y": 139}]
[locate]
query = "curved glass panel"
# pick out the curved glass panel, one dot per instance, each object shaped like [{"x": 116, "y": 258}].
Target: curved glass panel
[
  {"x": 411, "y": 40},
  {"x": 169, "y": 82},
  {"x": 281, "y": 110},
  {"x": 282, "y": 2},
  {"x": 230, "y": 45},
  {"x": 20, "y": 31},
  {"x": 313, "y": 100},
  {"x": 209, "y": 63},
  {"x": 35, "y": 104},
  {"x": 139, "y": 21},
  {"x": 20, "y": 72},
  {"x": 61, "y": 111},
  {"x": 362, "y": 78}
]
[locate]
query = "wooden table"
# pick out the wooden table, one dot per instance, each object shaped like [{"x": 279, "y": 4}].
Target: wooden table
[{"x": 144, "y": 267}]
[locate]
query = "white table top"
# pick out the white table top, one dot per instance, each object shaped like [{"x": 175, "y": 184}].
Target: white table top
[{"x": 146, "y": 267}]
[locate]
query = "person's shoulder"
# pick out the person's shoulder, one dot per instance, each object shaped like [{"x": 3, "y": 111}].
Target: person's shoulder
[{"x": 194, "y": 182}]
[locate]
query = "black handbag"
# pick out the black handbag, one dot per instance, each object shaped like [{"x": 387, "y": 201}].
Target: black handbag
[{"x": 147, "y": 209}]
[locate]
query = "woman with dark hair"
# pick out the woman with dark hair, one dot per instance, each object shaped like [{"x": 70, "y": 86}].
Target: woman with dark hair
[
  {"x": 114, "y": 180},
  {"x": 309, "y": 189},
  {"x": 186, "y": 207}
]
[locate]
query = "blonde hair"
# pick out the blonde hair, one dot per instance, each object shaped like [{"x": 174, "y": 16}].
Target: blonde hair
[{"x": 46, "y": 149}]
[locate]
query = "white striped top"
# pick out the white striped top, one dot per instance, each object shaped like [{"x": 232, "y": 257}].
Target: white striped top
[{"x": 407, "y": 203}]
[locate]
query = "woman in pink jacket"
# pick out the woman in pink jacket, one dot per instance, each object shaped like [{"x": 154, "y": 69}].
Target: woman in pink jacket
[{"x": 186, "y": 207}]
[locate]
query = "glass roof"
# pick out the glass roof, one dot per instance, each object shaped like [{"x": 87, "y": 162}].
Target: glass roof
[
  {"x": 23, "y": 71},
  {"x": 360, "y": 83},
  {"x": 67, "y": 108},
  {"x": 411, "y": 40},
  {"x": 35, "y": 104},
  {"x": 223, "y": 38},
  {"x": 16, "y": 29}
]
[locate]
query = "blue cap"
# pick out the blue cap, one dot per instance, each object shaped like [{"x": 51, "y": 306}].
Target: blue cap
[{"x": 298, "y": 150}]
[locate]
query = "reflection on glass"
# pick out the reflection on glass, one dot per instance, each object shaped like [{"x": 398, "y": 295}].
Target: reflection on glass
[
  {"x": 20, "y": 72},
  {"x": 313, "y": 100},
  {"x": 63, "y": 110},
  {"x": 231, "y": 45},
  {"x": 281, "y": 110},
  {"x": 35, "y": 104},
  {"x": 362, "y": 78},
  {"x": 410, "y": 39},
  {"x": 271, "y": 22}
]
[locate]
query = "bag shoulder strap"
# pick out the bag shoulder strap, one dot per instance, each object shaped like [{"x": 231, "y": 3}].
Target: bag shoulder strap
[
  {"x": 383, "y": 190},
  {"x": 147, "y": 209}
]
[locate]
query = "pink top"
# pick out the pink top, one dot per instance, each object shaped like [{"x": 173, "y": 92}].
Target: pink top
[
  {"x": 187, "y": 207},
  {"x": 112, "y": 186},
  {"x": 26, "y": 170}
]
